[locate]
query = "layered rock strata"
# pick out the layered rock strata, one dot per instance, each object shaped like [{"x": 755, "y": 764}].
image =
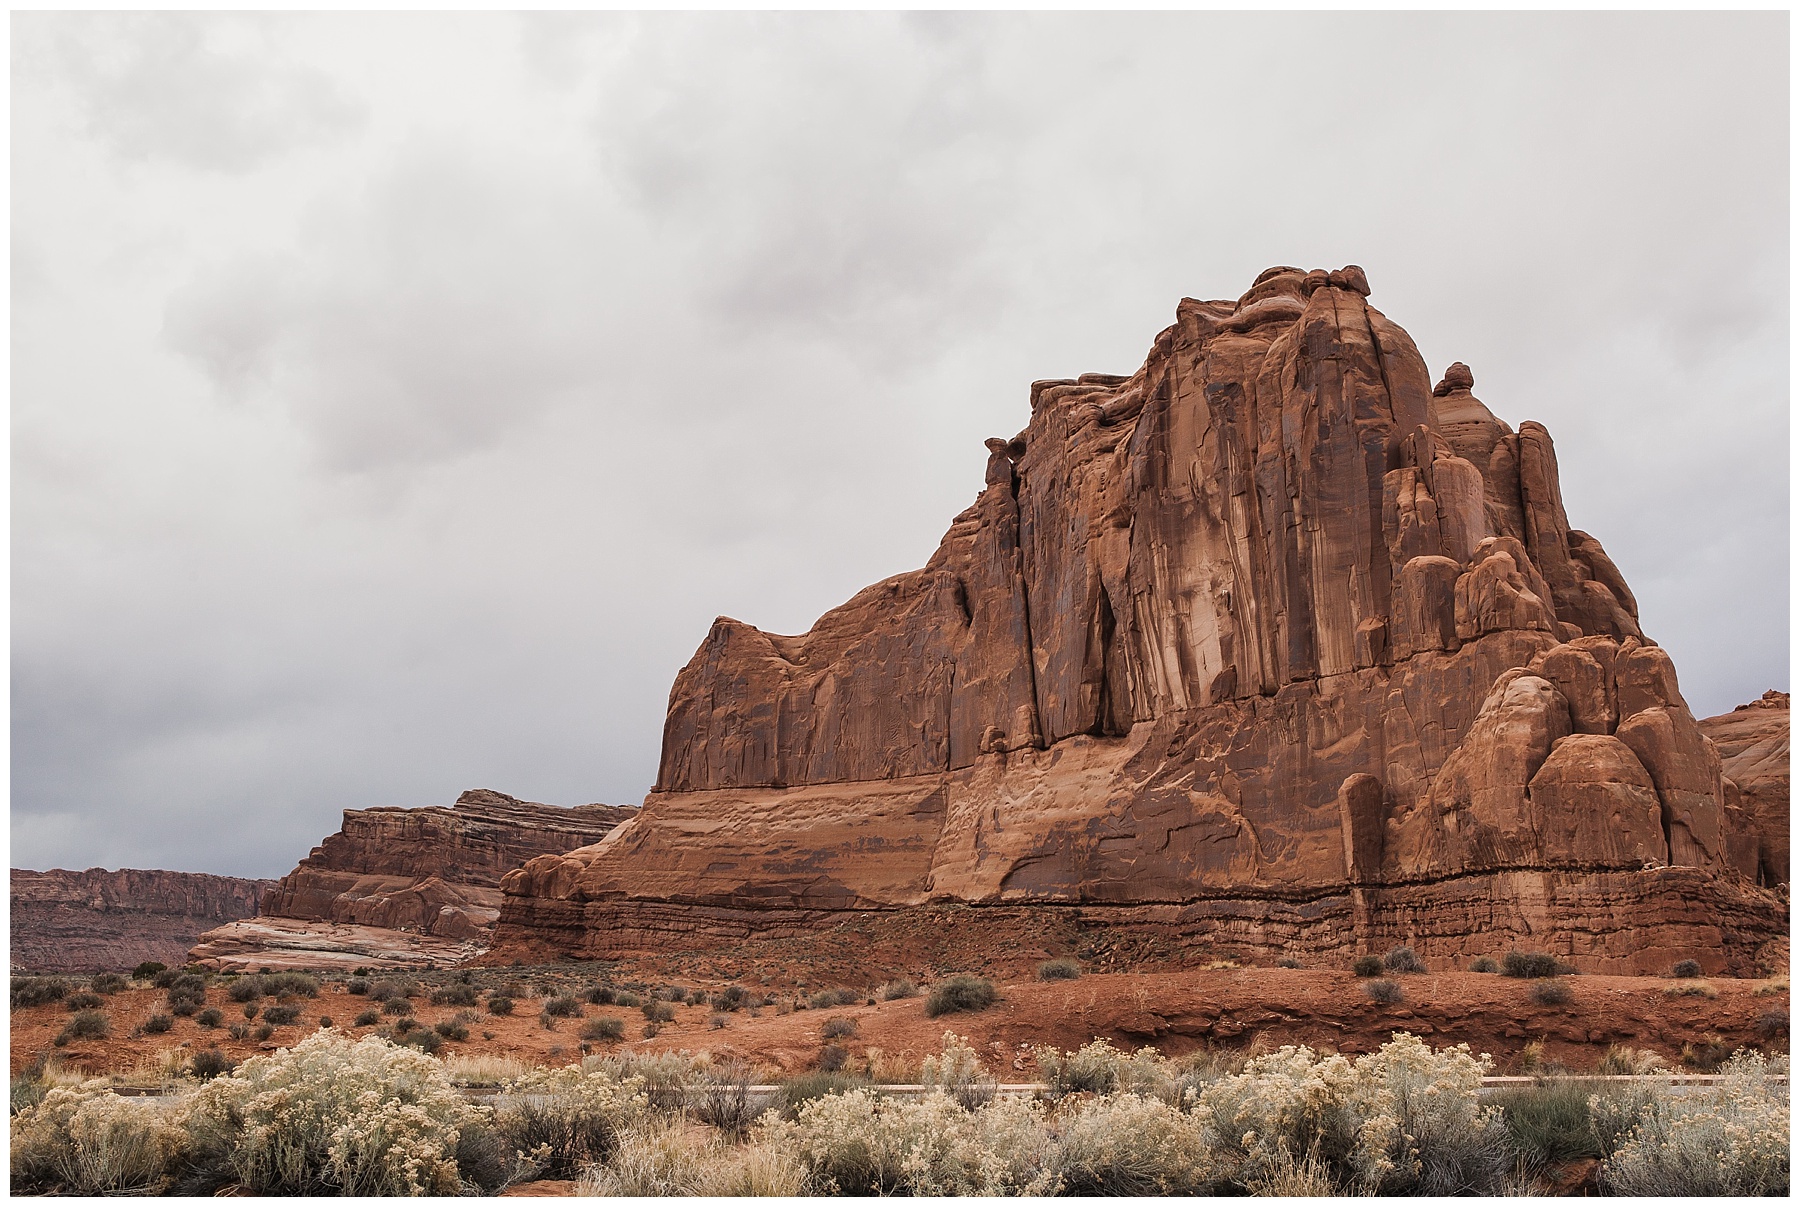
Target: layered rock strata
[
  {"x": 404, "y": 886},
  {"x": 106, "y": 921},
  {"x": 1270, "y": 644}
]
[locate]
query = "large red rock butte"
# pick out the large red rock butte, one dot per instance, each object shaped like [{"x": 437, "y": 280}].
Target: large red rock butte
[
  {"x": 403, "y": 886},
  {"x": 1270, "y": 646},
  {"x": 100, "y": 920}
]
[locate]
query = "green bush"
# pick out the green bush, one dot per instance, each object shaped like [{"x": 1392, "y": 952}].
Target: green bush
[
  {"x": 30, "y": 991},
  {"x": 609, "y": 1029},
  {"x": 1532, "y": 964},
  {"x": 148, "y": 969},
  {"x": 1384, "y": 991},
  {"x": 1064, "y": 969},
  {"x": 1403, "y": 959},
  {"x": 1549, "y": 1123},
  {"x": 454, "y": 995},
  {"x": 797, "y": 1091},
  {"x": 1551, "y": 992},
  {"x": 1366, "y": 966},
  {"x": 960, "y": 993}
]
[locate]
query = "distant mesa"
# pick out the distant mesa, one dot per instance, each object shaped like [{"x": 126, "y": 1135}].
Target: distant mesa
[
  {"x": 1270, "y": 646},
  {"x": 403, "y": 887},
  {"x": 101, "y": 921}
]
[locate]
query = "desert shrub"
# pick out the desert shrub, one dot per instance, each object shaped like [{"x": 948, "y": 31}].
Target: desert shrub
[
  {"x": 665, "y": 1076},
  {"x": 1287, "y": 962},
  {"x": 251, "y": 1009},
  {"x": 1401, "y": 1120},
  {"x": 1727, "y": 1139},
  {"x": 245, "y": 989},
  {"x": 839, "y": 1027},
  {"x": 1384, "y": 991},
  {"x": 1532, "y": 964},
  {"x": 960, "y": 993},
  {"x": 895, "y": 990},
  {"x": 832, "y": 1058},
  {"x": 396, "y": 1006},
  {"x": 281, "y": 1016},
  {"x": 718, "y": 1020},
  {"x": 1100, "y": 1068},
  {"x": 426, "y": 1039},
  {"x": 652, "y": 1030},
  {"x": 157, "y": 1024},
  {"x": 324, "y": 1020},
  {"x": 1549, "y": 1123},
  {"x": 210, "y": 1063},
  {"x": 186, "y": 1007},
  {"x": 334, "y": 1116},
  {"x": 212, "y": 1016},
  {"x": 1551, "y": 991},
  {"x": 499, "y": 1005},
  {"x": 725, "y": 1100},
  {"x": 1064, "y": 969},
  {"x": 600, "y": 995},
  {"x": 30, "y": 991},
  {"x": 451, "y": 1028},
  {"x": 87, "y": 1140},
  {"x": 1707, "y": 1055},
  {"x": 1366, "y": 966},
  {"x": 609, "y": 1029},
  {"x": 1484, "y": 964},
  {"x": 406, "y": 1024},
  {"x": 238, "y": 1030},
  {"x": 1403, "y": 959},
  {"x": 1122, "y": 1144},
  {"x": 83, "y": 1001},
  {"x": 566, "y": 1118},
  {"x": 165, "y": 977},
  {"x": 1690, "y": 989},
  {"x": 959, "y": 1073},
  {"x": 263, "y": 1031},
  {"x": 659, "y": 1157},
  {"x": 368, "y": 1018},
  {"x": 1621, "y": 1061},
  {"x": 108, "y": 983},
  {"x": 148, "y": 969},
  {"x": 855, "y": 1143},
  {"x": 1685, "y": 968},
  {"x": 89, "y": 1024},
  {"x": 1772, "y": 1025},
  {"x": 562, "y": 1006},
  {"x": 658, "y": 1012},
  {"x": 454, "y": 995},
  {"x": 627, "y": 999},
  {"x": 797, "y": 1091},
  {"x": 357, "y": 985},
  {"x": 290, "y": 984},
  {"x": 826, "y": 999},
  {"x": 386, "y": 991},
  {"x": 729, "y": 998}
]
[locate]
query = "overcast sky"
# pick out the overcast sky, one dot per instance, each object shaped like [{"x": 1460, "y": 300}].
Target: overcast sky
[{"x": 397, "y": 399}]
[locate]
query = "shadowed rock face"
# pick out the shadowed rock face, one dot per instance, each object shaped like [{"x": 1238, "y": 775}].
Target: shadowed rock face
[
  {"x": 391, "y": 879},
  {"x": 101, "y": 921},
  {"x": 1752, "y": 741},
  {"x": 1267, "y": 636}
]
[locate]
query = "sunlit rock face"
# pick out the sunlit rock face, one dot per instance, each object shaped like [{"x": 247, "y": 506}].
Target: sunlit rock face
[{"x": 1270, "y": 644}]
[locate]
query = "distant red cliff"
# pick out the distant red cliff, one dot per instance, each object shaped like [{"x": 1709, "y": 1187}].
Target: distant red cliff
[{"x": 98, "y": 920}]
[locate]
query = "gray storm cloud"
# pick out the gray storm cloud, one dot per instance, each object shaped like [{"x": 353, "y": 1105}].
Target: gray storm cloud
[{"x": 397, "y": 398}]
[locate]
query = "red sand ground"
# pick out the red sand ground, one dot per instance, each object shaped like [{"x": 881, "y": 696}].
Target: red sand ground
[{"x": 1178, "y": 1011}]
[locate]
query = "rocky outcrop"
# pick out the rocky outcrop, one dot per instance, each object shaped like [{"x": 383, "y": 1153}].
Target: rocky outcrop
[
  {"x": 1752, "y": 741},
  {"x": 1261, "y": 644},
  {"x": 404, "y": 886},
  {"x": 100, "y": 921}
]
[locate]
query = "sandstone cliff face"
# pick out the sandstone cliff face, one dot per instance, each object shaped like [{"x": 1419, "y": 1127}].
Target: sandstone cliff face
[
  {"x": 98, "y": 921},
  {"x": 404, "y": 885},
  {"x": 1752, "y": 741},
  {"x": 1270, "y": 625}
]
